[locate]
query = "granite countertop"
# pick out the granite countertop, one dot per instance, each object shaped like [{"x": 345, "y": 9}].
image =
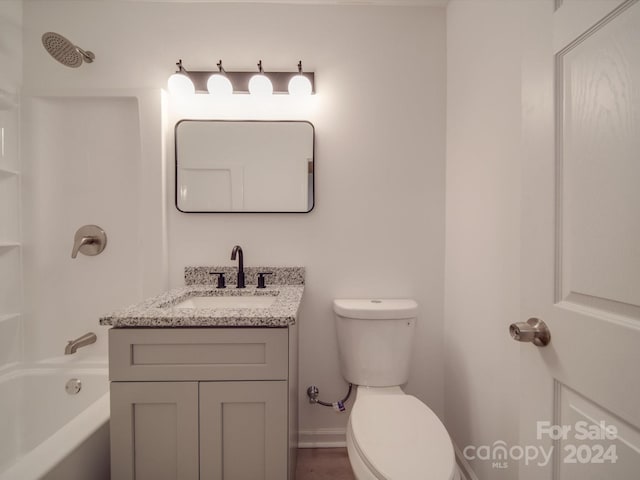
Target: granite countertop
[{"x": 160, "y": 311}]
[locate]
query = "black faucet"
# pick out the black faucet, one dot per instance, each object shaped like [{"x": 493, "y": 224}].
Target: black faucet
[{"x": 238, "y": 249}]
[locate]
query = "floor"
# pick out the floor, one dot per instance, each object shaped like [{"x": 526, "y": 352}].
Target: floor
[{"x": 323, "y": 464}]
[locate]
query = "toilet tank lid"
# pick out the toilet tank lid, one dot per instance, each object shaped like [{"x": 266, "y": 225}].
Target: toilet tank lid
[{"x": 376, "y": 309}]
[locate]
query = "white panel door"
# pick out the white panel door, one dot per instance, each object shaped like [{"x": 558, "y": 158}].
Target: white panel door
[{"x": 581, "y": 242}]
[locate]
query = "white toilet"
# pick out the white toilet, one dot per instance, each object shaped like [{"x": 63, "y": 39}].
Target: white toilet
[{"x": 390, "y": 435}]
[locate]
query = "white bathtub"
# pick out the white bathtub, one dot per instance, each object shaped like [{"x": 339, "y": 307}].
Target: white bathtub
[{"x": 48, "y": 434}]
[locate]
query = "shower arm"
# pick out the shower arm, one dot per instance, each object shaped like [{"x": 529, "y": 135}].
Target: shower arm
[{"x": 88, "y": 56}]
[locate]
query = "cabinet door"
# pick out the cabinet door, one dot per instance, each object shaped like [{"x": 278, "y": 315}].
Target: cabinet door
[
  {"x": 243, "y": 430},
  {"x": 154, "y": 430}
]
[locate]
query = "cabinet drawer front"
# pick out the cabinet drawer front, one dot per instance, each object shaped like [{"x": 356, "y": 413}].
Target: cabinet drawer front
[{"x": 198, "y": 354}]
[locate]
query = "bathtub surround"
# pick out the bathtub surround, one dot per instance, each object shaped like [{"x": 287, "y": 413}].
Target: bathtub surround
[
  {"x": 81, "y": 163},
  {"x": 68, "y": 184},
  {"x": 11, "y": 249}
]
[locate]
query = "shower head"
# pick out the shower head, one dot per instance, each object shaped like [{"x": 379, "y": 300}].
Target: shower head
[{"x": 64, "y": 51}]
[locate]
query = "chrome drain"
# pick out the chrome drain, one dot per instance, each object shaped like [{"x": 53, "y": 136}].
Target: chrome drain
[{"x": 73, "y": 386}]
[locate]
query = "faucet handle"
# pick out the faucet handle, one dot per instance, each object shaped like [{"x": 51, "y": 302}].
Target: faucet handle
[
  {"x": 221, "y": 282},
  {"x": 261, "y": 278},
  {"x": 89, "y": 240}
]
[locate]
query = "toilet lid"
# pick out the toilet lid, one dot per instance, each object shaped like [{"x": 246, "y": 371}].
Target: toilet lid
[{"x": 400, "y": 438}]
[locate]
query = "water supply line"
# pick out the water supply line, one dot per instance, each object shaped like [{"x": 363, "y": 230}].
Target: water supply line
[{"x": 313, "y": 393}]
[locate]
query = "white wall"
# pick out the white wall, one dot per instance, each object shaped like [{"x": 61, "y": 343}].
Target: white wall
[
  {"x": 11, "y": 41},
  {"x": 378, "y": 225},
  {"x": 482, "y": 271}
]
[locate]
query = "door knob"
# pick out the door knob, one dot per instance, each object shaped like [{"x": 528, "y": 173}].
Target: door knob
[{"x": 533, "y": 330}]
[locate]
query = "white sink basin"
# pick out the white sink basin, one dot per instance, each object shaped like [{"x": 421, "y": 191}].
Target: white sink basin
[{"x": 248, "y": 301}]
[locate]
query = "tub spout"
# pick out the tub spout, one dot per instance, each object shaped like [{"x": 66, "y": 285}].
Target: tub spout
[{"x": 84, "y": 340}]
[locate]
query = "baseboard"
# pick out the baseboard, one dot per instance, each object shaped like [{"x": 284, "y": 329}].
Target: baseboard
[
  {"x": 465, "y": 469},
  {"x": 322, "y": 438}
]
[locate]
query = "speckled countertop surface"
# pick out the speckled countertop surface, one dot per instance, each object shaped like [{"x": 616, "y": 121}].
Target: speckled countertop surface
[{"x": 160, "y": 311}]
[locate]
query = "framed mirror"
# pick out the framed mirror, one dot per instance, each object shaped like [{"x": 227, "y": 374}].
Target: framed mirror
[{"x": 244, "y": 166}]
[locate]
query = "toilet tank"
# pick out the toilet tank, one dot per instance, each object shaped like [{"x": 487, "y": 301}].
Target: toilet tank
[{"x": 375, "y": 339}]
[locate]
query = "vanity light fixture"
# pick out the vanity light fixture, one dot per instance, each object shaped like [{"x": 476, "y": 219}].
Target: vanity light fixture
[
  {"x": 219, "y": 83},
  {"x": 180, "y": 83},
  {"x": 260, "y": 83},
  {"x": 222, "y": 82},
  {"x": 299, "y": 84}
]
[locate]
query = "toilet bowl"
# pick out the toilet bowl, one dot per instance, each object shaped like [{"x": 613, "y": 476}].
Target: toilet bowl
[{"x": 390, "y": 435}]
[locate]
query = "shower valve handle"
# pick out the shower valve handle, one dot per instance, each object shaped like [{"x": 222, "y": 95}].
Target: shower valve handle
[
  {"x": 89, "y": 240},
  {"x": 83, "y": 241}
]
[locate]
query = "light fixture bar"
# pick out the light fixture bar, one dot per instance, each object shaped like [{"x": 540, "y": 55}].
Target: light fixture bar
[{"x": 240, "y": 80}]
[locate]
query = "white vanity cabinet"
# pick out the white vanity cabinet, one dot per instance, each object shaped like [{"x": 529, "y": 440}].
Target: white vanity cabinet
[{"x": 203, "y": 403}]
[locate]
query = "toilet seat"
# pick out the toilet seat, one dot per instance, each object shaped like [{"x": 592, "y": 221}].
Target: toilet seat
[{"x": 399, "y": 438}]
